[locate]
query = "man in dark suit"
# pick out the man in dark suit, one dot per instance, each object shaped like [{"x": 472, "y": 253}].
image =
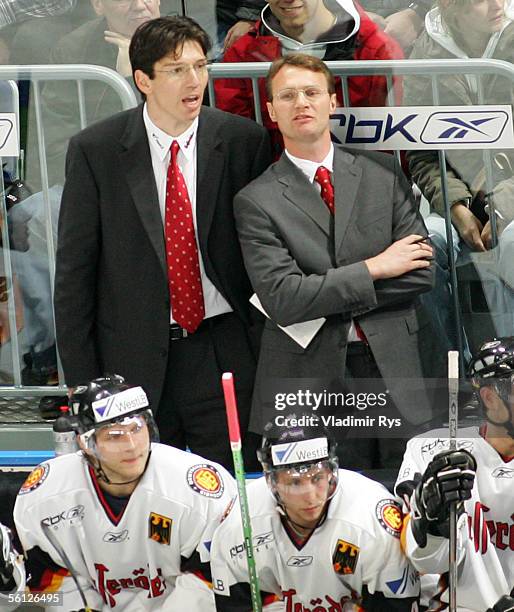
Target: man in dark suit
[
  {"x": 351, "y": 249},
  {"x": 173, "y": 317}
]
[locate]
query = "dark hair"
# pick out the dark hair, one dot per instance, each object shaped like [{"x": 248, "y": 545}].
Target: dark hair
[
  {"x": 163, "y": 36},
  {"x": 300, "y": 60}
]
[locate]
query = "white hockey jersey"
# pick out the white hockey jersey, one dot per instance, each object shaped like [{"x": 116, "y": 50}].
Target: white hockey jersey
[
  {"x": 486, "y": 530},
  {"x": 357, "y": 545},
  {"x": 131, "y": 562}
]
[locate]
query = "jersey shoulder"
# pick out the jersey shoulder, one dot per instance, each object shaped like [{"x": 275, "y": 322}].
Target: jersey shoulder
[
  {"x": 367, "y": 505},
  {"x": 55, "y": 477},
  {"x": 429, "y": 444},
  {"x": 262, "y": 506},
  {"x": 186, "y": 477}
]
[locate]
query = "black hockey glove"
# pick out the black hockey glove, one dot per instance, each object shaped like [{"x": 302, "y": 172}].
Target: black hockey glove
[
  {"x": 449, "y": 478},
  {"x": 504, "y": 604},
  {"x": 7, "y": 556}
]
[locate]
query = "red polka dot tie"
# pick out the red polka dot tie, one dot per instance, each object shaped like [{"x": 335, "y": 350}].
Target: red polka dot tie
[
  {"x": 184, "y": 279},
  {"x": 322, "y": 176}
]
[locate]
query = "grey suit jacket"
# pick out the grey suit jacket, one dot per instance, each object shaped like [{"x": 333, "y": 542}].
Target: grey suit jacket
[
  {"x": 305, "y": 263},
  {"x": 112, "y": 303}
]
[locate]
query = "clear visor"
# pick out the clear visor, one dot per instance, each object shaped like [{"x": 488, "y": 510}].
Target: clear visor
[
  {"x": 130, "y": 430},
  {"x": 303, "y": 480},
  {"x": 119, "y": 432}
]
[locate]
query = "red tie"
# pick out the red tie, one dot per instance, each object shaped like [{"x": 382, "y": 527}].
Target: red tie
[
  {"x": 327, "y": 189},
  {"x": 184, "y": 279},
  {"x": 322, "y": 176}
]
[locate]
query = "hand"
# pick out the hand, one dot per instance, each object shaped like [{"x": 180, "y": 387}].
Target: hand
[
  {"x": 7, "y": 557},
  {"x": 503, "y": 199},
  {"x": 236, "y": 31},
  {"x": 19, "y": 233},
  {"x": 486, "y": 236},
  {"x": 468, "y": 226},
  {"x": 377, "y": 19},
  {"x": 123, "y": 66},
  {"x": 448, "y": 479},
  {"x": 504, "y": 604},
  {"x": 404, "y": 26},
  {"x": 404, "y": 255}
]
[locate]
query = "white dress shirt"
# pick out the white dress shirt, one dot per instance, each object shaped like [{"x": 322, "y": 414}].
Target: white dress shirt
[{"x": 160, "y": 143}]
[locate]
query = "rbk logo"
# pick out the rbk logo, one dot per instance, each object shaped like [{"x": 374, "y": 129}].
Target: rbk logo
[
  {"x": 115, "y": 538},
  {"x": 470, "y": 127},
  {"x": 503, "y": 472},
  {"x": 71, "y": 516},
  {"x": 263, "y": 538},
  {"x": 399, "y": 128},
  {"x": 299, "y": 561},
  {"x": 460, "y": 128}
]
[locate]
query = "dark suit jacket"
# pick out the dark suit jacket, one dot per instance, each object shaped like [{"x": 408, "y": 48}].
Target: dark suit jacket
[
  {"x": 305, "y": 263},
  {"x": 112, "y": 304}
]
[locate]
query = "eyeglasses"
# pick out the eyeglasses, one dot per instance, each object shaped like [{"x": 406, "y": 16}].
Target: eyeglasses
[
  {"x": 290, "y": 95},
  {"x": 127, "y": 2},
  {"x": 182, "y": 70}
]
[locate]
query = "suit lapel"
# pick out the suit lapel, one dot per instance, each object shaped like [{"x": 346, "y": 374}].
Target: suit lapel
[
  {"x": 209, "y": 168},
  {"x": 301, "y": 193},
  {"x": 137, "y": 166},
  {"x": 347, "y": 177}
]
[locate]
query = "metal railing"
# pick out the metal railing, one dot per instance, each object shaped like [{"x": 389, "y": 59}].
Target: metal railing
[{"x": 79, "y": 73}]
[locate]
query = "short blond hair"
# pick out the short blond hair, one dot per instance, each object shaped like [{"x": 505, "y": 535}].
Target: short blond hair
[{"x": 300, "y": 60}]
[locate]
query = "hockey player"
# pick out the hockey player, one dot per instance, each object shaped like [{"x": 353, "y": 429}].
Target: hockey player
[
  {"x": 127, "y": 517},
  {"x": 12, "y": 572},
  {"x": 479, "y": 476},
  {"x": 325, "y": 540}
]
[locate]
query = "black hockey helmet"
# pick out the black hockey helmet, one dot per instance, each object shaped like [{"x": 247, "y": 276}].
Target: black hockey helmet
[
  {"x": 493, "y": 366},
  {"x": 297, "y": 449},
  {"x": 495, "y": 359},
  {"x": 105, "y": 401}
]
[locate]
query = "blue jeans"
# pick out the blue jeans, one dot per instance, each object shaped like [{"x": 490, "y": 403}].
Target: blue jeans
[{"x": 495, "y": 269}]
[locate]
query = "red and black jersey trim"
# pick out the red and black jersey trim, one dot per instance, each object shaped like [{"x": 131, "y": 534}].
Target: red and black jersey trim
[{"x": 114, "y": 518}]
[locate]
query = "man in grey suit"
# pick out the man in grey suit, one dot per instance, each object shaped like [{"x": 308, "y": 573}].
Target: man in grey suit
[
  {"x": 359, "y": 258},
  {"x": 147, "y": 237}
]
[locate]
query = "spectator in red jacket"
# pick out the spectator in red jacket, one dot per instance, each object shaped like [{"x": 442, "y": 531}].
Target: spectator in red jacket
[{"x": 329, "y": 29}]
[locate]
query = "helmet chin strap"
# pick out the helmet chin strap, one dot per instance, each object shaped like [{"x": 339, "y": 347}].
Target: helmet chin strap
[
  {"x": 294, "y": 524},
  {"x": 101, "y": 475},
  {"x": 283, "y": 511}
]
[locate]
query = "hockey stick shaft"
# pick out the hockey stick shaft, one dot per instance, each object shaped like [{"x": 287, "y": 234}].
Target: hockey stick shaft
[
  {"x": 60, "y": 551},
  {"x": 237, "y": 456},
  {"x": 453, "y": 423}
]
